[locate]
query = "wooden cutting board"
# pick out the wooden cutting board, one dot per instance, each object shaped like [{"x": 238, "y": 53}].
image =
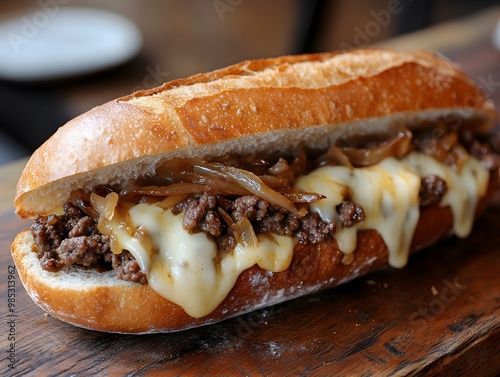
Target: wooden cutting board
[{"x": 438, "y": 316}]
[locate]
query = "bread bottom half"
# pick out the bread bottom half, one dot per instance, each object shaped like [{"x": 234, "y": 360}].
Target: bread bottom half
[{"x": 99, "y": 301}]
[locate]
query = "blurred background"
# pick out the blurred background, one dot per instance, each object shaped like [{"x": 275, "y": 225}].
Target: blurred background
[{"x": 47, "y": 78}]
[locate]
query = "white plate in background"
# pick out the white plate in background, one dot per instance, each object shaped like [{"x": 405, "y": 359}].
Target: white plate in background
[
  {"x": 496, "y": 36},
  {"x": 62, "y": 42}
]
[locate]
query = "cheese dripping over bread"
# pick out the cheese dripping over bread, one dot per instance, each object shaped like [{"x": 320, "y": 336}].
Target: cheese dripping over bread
[{"x": 187, "y": 269}]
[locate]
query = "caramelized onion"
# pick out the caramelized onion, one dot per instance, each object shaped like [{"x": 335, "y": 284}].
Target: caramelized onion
[
  {"x": 214, "y": 186},
  {"x": 222, "y": 186},
  {"x": 433, "y": 148},
  {"x": 396, "y": 146},
  {"x": 194, "y": 176},
  {"x": 289, "y": 172},
  {"x": 250, "y": 182},
  {"x": 242, "y": 230},
  {"x": 171, "y": 201},
  {"x": 336, "y": 156},
  {"x": 445, "y": 149},
  {"x": 110, "y": 205},
  {"x": 449, "y": 140},
  {"x": 275, "y": 182},
  {"x": 279, "y": 167},
  {"x": 173, "y": 189},
  {"x": 105, "y": 206},
  {"x": 302, "y": 197},
  {"x": 225, "y": 216},
  {"x": 245, "y": 233},
  {"x": 457, "y": 157},
  {"x": 98, "y": 202},
  {"x": 77, "y": 199}
]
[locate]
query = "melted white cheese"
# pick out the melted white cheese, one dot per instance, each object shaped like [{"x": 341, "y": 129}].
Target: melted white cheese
[
  {"x": 187, "y": 270},
  {"x": 464, "y": 188},
  {"x": 388, "y": 193}
]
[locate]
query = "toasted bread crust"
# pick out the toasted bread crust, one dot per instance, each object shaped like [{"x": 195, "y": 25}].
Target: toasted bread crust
[{"x": 245, "y": 108}]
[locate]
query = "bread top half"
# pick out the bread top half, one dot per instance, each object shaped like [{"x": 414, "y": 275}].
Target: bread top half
[{"x": 252, "y": 107}]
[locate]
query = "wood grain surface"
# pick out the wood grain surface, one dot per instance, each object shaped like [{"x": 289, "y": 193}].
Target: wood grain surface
[{"x": 9, "y": 175}]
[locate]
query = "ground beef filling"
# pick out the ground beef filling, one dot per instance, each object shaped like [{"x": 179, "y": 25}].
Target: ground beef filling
[
  {"x": 432, "y": 190},
  {"x": 73, "y": 238},
  {"x": 201, "y": 214},
  {"x": 350, "y": 213}
]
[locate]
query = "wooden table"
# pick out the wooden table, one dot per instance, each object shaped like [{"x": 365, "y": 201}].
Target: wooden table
[{"x": 438, "y": 316}]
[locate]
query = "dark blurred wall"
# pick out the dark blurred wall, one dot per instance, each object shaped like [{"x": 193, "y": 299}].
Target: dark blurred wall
[{"x": 182, "y": 38}]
